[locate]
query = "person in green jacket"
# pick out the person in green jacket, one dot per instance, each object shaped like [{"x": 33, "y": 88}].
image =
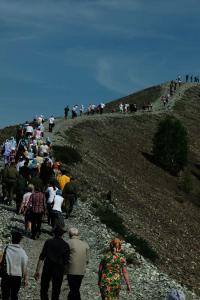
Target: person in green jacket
[{"x": 11, "y": 176}]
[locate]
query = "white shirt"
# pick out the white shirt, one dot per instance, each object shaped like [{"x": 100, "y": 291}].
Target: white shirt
[
  {"x": 51, "y": 194},
  {"x": 43, "y": 149},
  {"x": 16, "y": 260},
  {"x": 58, "y": 201},
  {"x": 29, "y": 129},
  {"x": 39, "y": 120},
  {"x": 20, "y": 164},
  {"x": 51, "y": 120}
]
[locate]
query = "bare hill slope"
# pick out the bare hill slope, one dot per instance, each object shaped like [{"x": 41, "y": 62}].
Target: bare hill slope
[{"x": 116, "y": 153}]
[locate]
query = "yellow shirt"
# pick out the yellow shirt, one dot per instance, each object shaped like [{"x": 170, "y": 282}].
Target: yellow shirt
[{"x": 62, "y": 180}]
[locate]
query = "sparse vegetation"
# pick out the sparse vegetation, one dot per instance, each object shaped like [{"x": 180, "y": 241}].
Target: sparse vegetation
[
  {"x": 66, "y": 154},
  {"x": 170, "y": 145}
]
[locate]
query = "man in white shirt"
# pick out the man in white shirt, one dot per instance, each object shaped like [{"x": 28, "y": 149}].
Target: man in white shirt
[
  {"x": 51, "y": 123},
  {"x": 81, "y": 109},
  {"x": 16, "y": 268},
  {"x": 57, "y": 217},
  {"x": 121, "y": 108},
  {"x": 102, "y": 105}
]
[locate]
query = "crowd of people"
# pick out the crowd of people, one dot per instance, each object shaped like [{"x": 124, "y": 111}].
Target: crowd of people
[
  {"x": 80, "y": 110},
  {"x": 175, "y": 85},
  {"x": 42, "y": 190}
]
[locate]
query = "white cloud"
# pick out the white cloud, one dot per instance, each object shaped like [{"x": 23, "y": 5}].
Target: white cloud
[{"x": 127, "y": 74}]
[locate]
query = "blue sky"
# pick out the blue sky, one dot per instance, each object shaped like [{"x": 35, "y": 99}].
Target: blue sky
[{"x": 58, "y": 52}]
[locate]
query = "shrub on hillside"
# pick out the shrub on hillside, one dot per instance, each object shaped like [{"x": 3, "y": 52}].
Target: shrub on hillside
[
  {"x": 170, "y": 145},
  {"x": 66, "y": 154}
]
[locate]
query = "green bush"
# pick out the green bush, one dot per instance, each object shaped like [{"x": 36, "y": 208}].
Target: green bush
[
  {"x": 170, "y": 145},
  {"x": 66, "y": 154}
]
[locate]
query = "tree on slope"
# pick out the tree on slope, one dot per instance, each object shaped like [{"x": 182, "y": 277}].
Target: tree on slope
[{"x": 170, "y": 145}]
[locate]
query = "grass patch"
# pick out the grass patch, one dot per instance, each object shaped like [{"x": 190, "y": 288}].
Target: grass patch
[
  {"x": 115, "y": 222},
  {"x": 67, "y": 154}
]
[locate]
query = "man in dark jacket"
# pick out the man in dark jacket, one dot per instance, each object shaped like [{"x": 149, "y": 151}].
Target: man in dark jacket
[
  {"x": 55, "y": 255},
  {"x": 70, "y": 196}
]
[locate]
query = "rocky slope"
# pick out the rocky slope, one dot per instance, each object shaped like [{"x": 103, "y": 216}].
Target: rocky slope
[{"x": 148, "y": 283}]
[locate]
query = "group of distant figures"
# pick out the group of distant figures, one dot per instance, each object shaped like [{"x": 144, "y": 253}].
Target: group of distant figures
[
  {"x": 99, "y": 109},
  {"x": 80, "y": 110},
  {"x": 130, "y": 107},
  {"x": 175, "y": 85},
  {"x": 192, "y": 78}
]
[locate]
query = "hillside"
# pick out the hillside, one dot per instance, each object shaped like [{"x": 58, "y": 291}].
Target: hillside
[
  {"x": 149, "y": 94},
  {"x": 116, "y": 152},
  {"x": 116, "y": 156}
]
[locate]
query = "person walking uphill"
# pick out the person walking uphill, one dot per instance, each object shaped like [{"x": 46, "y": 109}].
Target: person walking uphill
[
  {"x": 70, "y": 196},
  {"x": 37, "y": 206},
  {"x": 11, "y": 176},
  {"x": 78, "y": 260},
  {"x": 51, "y": 123},
  {"x": 111, "y": 268},
  {"x": 15, "y": 273},
  {"x": 55, "y": 254}
]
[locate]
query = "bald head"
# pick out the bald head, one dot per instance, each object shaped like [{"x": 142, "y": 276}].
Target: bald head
[{"x": 73, "y": 232}]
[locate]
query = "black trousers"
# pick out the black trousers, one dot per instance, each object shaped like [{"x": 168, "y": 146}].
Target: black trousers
[
  {"x": 74, "y": 282},
  {"x": 36, "y": 220},
  {"x": 51, "y": 272},
  {"x": 49, "y": 209},
  {"x": 10, "y": 286},
  {"x": 70, "y": 200}
]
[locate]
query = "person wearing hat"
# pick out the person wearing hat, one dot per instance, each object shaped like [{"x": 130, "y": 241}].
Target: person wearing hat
[
  {"x": 15, "y": 273},
  {"x": 55, "y": 255}
]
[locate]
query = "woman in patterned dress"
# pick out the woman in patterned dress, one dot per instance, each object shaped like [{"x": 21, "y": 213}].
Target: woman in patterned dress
[{"x": 111, "y": 269}]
